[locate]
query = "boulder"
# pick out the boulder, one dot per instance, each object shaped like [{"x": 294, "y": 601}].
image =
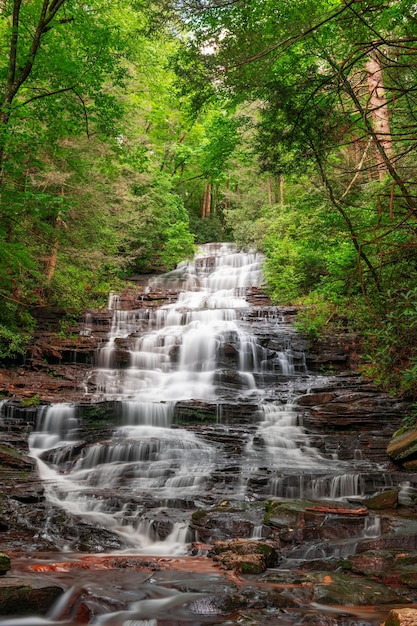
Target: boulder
[
  {"x": 403, "y": 446},
  {"x": 4, "y": 564},
  {"x": 245, "y": 556},
  {"x": 21, "y": 597},
  {"x": 384, "y": 500},
  {"x": 402, "y": 617},
  {"x": 374, "y": 563},
  {"x": 340, "y": 589}
]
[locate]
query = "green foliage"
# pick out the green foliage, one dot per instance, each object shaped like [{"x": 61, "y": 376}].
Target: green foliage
[
  {"x": 159, "y": 234},
  {"x": 345, "y": 231},
  {"x": 12, "y": 343},
  {"x": 316, "y": 318},
  {"x": 75, "y": 215},
  {"x": 409, "y": 421},
  {"x": 16, "y": 326},
  {"x": 32, "y": 401},
  {"x": 210, "y": 229},
  {"x": 222, "y": 139},
  {"x": 390, "y": 344}
]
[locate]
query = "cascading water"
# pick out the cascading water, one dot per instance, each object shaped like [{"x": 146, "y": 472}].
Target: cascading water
[{"x": 200, "y": 349}]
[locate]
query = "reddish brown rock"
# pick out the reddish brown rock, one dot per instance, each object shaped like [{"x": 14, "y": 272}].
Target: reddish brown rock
[
  {"x": 372, "y": 563},
  {"x": 9, "y": 457}
]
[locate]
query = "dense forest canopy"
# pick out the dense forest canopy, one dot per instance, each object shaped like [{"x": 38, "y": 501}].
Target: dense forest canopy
[{"x": 130, "y": 132}]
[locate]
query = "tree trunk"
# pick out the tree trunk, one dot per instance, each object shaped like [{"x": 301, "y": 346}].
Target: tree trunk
[
  {"x": 379, "y": 111},
  {"x": 281, "y": 190},
  {"x": 269, "y": 187},
  {"x": 227, "y": 199},
  {"x": 51, "y": 262},
  {"x": 206, "y": 205},
  {"x": 208, "y": 199}
]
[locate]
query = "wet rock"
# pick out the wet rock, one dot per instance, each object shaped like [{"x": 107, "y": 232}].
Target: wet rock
[
  {"x": 371, "y": 563},
  {"x": 220, "y": 524},
  {"x": 10, "y": 457},
  {"x": 393, "y": 568},
  {"x": 409, "y": 579},
  {"x": 321, "y": 620},
  {"x": 162, "y": 528},
  {"x": 360, "y": 413},
  {"x": 228, "y": 520},
  {"x": 385, "y": 500},
  {"x": 313, "y": 399},
  {"x": 92, "y": 539},
  {"x": 296, "y": 521},
  {"x": 245, "y": 556},
  {"x": 335, "y": 588},
  {"x": 21, "y": 597},
  {"x": 403, "y": 446},
  {"x": 402, "y": 617}
]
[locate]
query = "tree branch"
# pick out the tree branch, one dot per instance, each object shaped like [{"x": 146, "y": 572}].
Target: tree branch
[
  {"x": 293, "y": 38},
  {"x": 14, "y": 43},
  {"x": 46, "y": 95},
  {"x": 43, "y": 21}
]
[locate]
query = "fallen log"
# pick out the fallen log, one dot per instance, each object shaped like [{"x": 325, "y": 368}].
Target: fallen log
[{"x": 337, "y": 510}]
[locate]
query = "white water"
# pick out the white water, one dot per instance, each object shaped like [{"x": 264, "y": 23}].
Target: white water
[{"x": 176, "y": 353}]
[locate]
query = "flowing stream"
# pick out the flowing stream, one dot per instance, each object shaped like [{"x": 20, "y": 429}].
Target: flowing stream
[
  {"x": 201, "y": 348},
  {"x": 204, "y": 394}
]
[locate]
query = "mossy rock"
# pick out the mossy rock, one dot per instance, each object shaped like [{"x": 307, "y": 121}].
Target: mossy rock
[
  {"x": 199, "y": 516},
  {"x": 247, "y": 546},
  {"x": 243, "y": 564},
  {"x": 346, "y": 590},
  {"x": 4, "y": 563},
  {"x": 409, "y": 579},
  {"x": 403, "y": 447},
  {"x": 26, "y": 600},
  {"x": 384, "y": 500},
  {"x": 245, "y": 556},
  {"x": 282, "y": 513}
]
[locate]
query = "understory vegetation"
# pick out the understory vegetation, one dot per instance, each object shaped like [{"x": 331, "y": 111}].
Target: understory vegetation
[{"x": 130, "y": 133}]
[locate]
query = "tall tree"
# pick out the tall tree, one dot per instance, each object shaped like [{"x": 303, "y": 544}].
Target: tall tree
[
  {"x": 68, "y": 76},
  {"x": 321, "y": 72},
  {"x": 335, "y": 84}
]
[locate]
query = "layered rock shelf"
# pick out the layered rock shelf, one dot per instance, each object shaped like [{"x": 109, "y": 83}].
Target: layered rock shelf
[{"x": 326, "y": 535}]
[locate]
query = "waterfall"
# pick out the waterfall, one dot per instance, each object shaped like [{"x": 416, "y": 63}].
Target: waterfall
[{"x": 206, "y": 349}]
